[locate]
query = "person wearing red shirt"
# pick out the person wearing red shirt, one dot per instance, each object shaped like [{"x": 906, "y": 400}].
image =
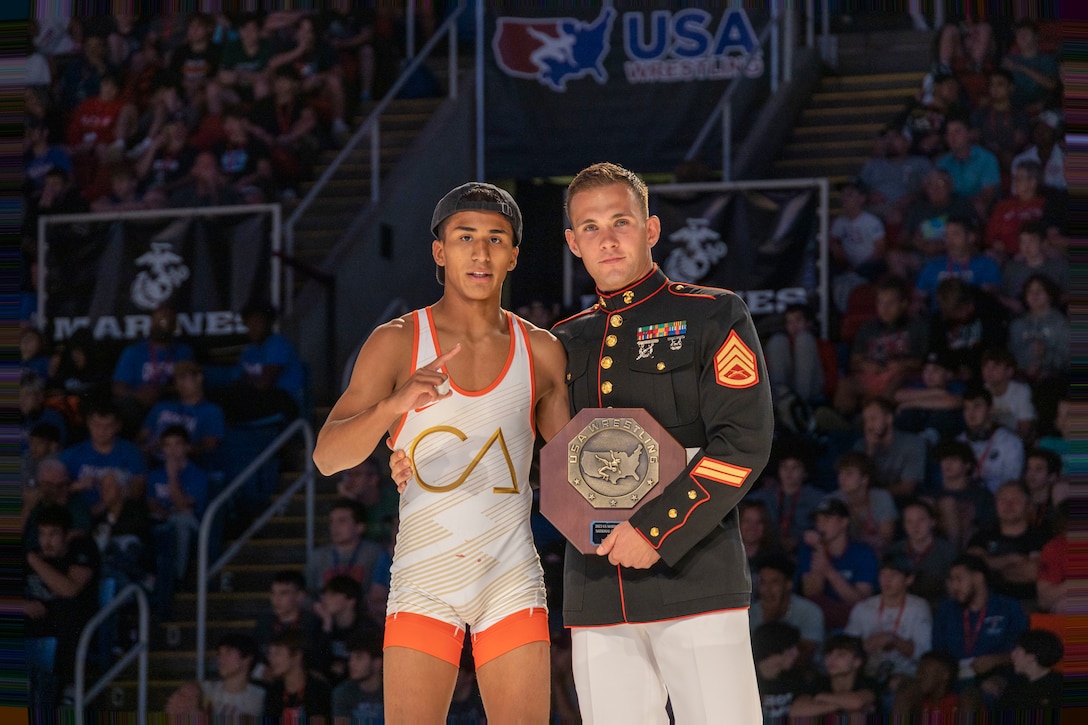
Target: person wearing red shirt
[
  {"x": 1002, "y": 238},
  {"x": 96, "y": 135}
]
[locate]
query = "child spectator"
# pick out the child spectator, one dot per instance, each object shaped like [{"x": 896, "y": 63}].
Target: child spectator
[
  {"x": 52, "y": 489},
  {"x": 793, "y": 358},
  {"x": 315, "y": 62},
  {"x": 969, "y": 321},
  {"x": 790, "y": 501},
  {"x": 145, "y": 371},
  {"x": 33, "y": 410},
  {"x": 1012, "y": 406},
  {"x": 1042, "y": 472},
  {"x": 295, "y": 694},
  {"x": 778, "y": 603},
  {"x": 1029, "y": 262},
  {"x": 80, "y": 371},
  {"x": 778, "y": 674},
  {"x": 933, "y": 406},
  {"x": 32, "y": 354},
  {"x": 202, "y": 419},
  {"x": 1025, "y": 204},
  {"x": 959, "y": 261},
  {"x": 857, "y": 237},
  {"x": 244, "y": 160},
  {"x": 1039, "y": 338},
  {"x": 974, "y": 170},
  {"x": 844, "y": 689},
  {"x": 166, "y": 161},
  {"x": 977, "y": 626},
  {"x": 348, "y": 553},
  {"x": 887, "y": 351},
  {"x": 268, "y": 380},
  {"x": 923, "y": 120},
  {"x": 999, "y": 453},
  {"x": 338, "y": 609},
  {"x": 1045, "y": 149},
  {"x": 40, "y": 157},
  {"x": 102, "y": 450},
  {"x": 894, "y": 626},
  {"x": 1011, "y": 549},
  {"x": 97, "y": 133},
  {"x": 196, "y": 63},
  {"x": 1002, "y": 129},
  {"x": 872, "y": 510},
  {"x": 124, "y": 193},
  {"x": 243, "y": 70},
  {"x": 963, "y": 505},
  {"x": 82, "y": 76},
  {"x": 287, "y": 596},
  {"x": 43, "y": 442},
  {"x": 1035, "y": 74},
  {"x": 835, "y": 571},
  {"x": 924, "y": 223},
  {"x": 930, "y": 555},
  {"x": 177, "y": 496},
  {"x": 1035, "y": 687},
  {"x": 757, "y": 534},
  {"x": 234, "y": 695},
  {"x": 205, "y": 185},
  {"x": 899, "y": 458},
  {"x": 359, "y": 698},
  {"x": 288, "y": 126},
  {"x": 366, "y": 484},
  {"x": 893, "y": 177},
  {"x": 930, "y": 696}
]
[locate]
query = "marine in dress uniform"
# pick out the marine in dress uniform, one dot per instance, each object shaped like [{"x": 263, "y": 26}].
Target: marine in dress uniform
[{"x": 690, "y": 356}]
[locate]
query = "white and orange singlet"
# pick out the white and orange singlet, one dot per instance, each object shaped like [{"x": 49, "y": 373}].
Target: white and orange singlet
[{"x": 465, "y": 554}]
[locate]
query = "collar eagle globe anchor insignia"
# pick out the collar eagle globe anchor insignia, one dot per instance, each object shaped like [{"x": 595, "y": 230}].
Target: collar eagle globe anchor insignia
[
  {"x": 613, "y": 462},
  {"x": 601, "y": 468}
]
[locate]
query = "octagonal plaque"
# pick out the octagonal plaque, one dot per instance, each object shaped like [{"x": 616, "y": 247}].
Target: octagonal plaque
[{"x": 601, "y": 467}]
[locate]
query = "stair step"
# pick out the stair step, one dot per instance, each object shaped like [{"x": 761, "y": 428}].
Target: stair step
[
  {"x": 845, "y": 169},
  {"x": 866, "y": 79},
  {"x": 852, "y": 130},
  {"x": 826, "y": 148},
  {"x": 825, "y": 161},
  {"x": 182, "y": 635},
  {"x": 122, "y": 694},
  {"x": 868, "y": 113},
  {"x": 239, "y": 605},
  {"x": 863, "y": 99}
]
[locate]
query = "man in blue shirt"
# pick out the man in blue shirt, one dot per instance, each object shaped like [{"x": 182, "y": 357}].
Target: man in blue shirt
[
  {"x": 200, "y": 417},
  {"x": 102, "y": 450},
  {"x": 269, "y": 379},
  {"x": 959, "y": 262},
  {"x": 145, "y": 370},
  {"x": 974, "y": 170}
]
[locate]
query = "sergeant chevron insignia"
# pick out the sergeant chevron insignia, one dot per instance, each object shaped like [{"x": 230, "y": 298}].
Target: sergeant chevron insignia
[{"x": 735, "y": 363}]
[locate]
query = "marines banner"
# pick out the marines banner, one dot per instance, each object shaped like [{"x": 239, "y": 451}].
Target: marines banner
[
  {"x": 109, "y": 276},
  {"x": 569, "y": 84}
]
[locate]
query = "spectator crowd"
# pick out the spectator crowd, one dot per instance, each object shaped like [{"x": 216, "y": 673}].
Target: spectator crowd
[{"x": 906, "y": 543}]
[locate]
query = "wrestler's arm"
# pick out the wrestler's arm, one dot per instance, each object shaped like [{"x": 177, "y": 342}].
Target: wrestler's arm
[
  {"x": 376, "y": 397},
  {"x": 552, "y": 410}
]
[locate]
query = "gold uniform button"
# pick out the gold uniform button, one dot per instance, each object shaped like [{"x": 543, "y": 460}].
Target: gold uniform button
[
  {"x": 610, "y": 341},
  {"x": 568, "y": 377},
  {"x": 615, "y": 320},
  {"x": 692, "y": 494},
  {"x": 606, "y": 362},
  {"x": 661, "y": 366},
  {"x": 606, "y": 387},
  {"x": 654, "y": 532},
  {"x": 672, "y": 513},
  {"x": 628, "y": 297}
]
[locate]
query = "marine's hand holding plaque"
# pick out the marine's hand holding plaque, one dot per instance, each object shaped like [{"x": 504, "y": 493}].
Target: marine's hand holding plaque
[{"x": 598, "y": 470}]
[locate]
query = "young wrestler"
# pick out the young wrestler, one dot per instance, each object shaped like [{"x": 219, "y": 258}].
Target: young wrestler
[{"x": 464, "y": 387}]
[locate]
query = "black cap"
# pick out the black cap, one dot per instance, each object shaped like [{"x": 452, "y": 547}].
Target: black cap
[
  {"x": 832, "y": 506},
  {"x": 454, "y": 202},
  {"x": 898, "y": 562}
]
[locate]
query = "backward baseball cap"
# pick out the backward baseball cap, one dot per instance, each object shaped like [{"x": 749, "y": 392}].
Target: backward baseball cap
[{"x": 455, "y": 201}]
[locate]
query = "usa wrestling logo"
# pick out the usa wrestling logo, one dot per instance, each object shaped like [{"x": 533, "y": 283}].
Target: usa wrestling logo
[{"x": 554, "y": 50}]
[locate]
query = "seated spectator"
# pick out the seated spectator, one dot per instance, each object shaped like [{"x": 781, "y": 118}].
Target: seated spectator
[
  {"x": 1045, "y": 149},
  {"x": 960, "y": 261},
  {"x": 145, "y": 371},
  {"x": 779, "y": 676},
  {"x": 790, "y": 501},
  {"x": 1035, "y": 687},
  {"x": 352, "y": 34},
  {"x": 33, "y": 359},
  {"x": 1039, "y": 337},
  {"x": 177, "y": 497},
  {"x": 1002, "y": 129},
  {"x": 968, "y": 322},
  {"x": 899, "y": 458},
  {"x": 932, "y": 406},
  {"x": 187, "y": 701},
  {"x": 1042, "y": 473},
  {"x": 288, "y": 126},
  {"x": 793, "y": 358},
  {"x": 244, "y": 160},
  {"x": 52, "y": 489},
  {"x": 103, "y": 450},
  {"x": 33, "y": 410},
  {"x": 205, "y": 185},
  {"x": 165, "y": 163},
  {"x": 967, "y": 50},
  {"x": 923, "y": 120},
  {"x": 1060, "y": 439},
  {"x": 974, "y": 170},
  {"x": 1001, "y": 239},
  {"x": 315, "y": 62},
  {"x": 887, "y": 351},
  {"x": 999, "y": 453},
  {"x": 930, "y": 555},
  {"x": 977, "y": 626},
  {"x": 202, "y": 419},
  {"x": 1031, "y": 261},
  {"x": 857, "y": 236},
  {"x": 844, "y": 689},
  {"x": 348, "y": 553},
  {"x": 81, "y": 371},
  {"x": 1011, "y": 549},
  {"x": 1012, "y": 406},
  {"x": 61, "y": 597},
  {"x": 82, "y": 76},
  {"x": 124, "y": 193},
  {"x": 893, "y": 177},
  {"x": 338, "y": 608},
  {"x": 930, "y": 696},
  {"x": 97, "y": 133},
  {"x": 894, "y": 626},
  {"x": 1035, "y": 74},
  {"x": 289, "y": 614},
  {"x": 963, "y": 504},
  {"x": 835, "y": 571},
  {"x": 40, "y": 157},
  {"x": 366, "y": 484},
  {"x": 924, "y": 223},
  {"x": 234, "y": 695},
  {"x": 43, "y": 442},
  {"x": 269, "y": 377},
  {"x": 872, "y": 510},
  {"x": 777, "y": 603},
  {"x": 1052, "y": 583},
  {"x": 196, "y": 62},
  {"x": 294, "y": 695},
  {"x": 757, "y": 534},
  {"x": 359, "y": 698},
  {"x": 243, "y": 70}
]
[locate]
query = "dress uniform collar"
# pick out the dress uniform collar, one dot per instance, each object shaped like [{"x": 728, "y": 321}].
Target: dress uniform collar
[{"x": 634, "y": 293}]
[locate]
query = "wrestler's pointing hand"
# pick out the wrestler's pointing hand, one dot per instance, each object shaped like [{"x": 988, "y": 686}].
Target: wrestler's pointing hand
[{"x": 427, "y": 384}]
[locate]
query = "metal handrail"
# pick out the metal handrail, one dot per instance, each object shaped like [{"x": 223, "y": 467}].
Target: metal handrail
[
  {"x": 372, "y": 126},
  {"x": 138, "y": 650},
  {"x": 206, "y": 571}
]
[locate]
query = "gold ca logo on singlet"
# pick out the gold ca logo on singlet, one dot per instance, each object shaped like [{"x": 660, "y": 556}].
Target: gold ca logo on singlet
[{"x": 496, "y": 436}]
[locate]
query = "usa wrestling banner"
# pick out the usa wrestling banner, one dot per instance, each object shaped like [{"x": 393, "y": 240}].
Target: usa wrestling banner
[
  {"x": 107, "y": 276},
  {"x": 569, "y": 84}
]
